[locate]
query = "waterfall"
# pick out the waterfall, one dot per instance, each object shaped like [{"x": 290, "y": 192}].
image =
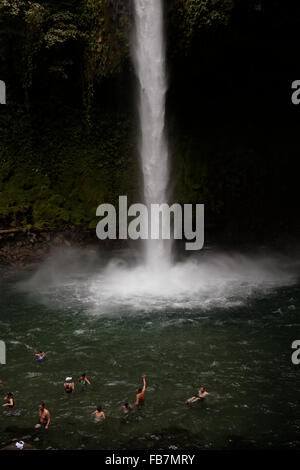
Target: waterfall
[{"x": 148, "y": 51}]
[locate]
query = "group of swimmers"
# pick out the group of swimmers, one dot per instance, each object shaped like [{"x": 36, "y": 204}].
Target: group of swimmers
[
  {"x": 69, "y": 386},
  {"x": 99, "y": 415}
]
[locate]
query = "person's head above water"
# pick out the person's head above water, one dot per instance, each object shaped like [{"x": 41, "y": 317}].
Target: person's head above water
[
  {"x": 9, "y": 395},
  {"x": 202, "y": 389},
  {"x": 42, "y": 405},
  {"x": 99, "y": 408}
]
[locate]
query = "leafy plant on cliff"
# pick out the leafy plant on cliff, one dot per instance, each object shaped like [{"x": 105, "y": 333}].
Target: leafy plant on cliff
[
  {"x": 188, "y": 18},
  {"x": 105, "y": 47}
]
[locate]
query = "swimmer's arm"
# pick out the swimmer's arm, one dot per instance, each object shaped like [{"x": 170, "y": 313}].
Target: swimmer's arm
[
  {"x": 144, "y": 386},
  {"x": 48, "y": 420},
  {"x": 87, "y": 381},
  {"x": 10, "y": 403},
  {"x": 193, "y": 399}
]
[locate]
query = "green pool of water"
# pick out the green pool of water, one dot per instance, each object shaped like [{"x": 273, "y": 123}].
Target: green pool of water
[{"x": 241, "y": 352}]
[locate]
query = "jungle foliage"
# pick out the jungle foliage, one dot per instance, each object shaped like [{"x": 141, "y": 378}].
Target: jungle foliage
[{"x": 69, "y": 129}]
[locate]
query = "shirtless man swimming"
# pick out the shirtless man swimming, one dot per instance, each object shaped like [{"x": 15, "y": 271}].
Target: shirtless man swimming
[
  {"x": 99, "y": 414},
  {"x": 44, "y": 417},
  {"x": 202, "y": 393},
  {"x": 140, "y": 393}
]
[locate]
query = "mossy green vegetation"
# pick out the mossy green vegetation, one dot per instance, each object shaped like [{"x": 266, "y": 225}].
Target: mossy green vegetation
[
  {"x": 59, "y": 176},
  {"x": 68, "y": 134},
  {"x": 65, "y": 146}
]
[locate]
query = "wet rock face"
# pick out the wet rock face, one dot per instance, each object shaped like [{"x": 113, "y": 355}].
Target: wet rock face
[
  {"x": 120, "y": 8},
  {"x": 18, "y": 249}
]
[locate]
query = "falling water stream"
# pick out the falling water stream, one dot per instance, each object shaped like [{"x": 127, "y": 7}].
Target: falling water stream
[
  {"x": 222, "y": 320},
  {"x": 148, "y": 52}
]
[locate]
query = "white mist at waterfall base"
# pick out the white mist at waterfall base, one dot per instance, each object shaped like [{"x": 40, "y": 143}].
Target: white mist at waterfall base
[
  {"x": 209, "y": 281},
  {"x": 125, "y": 285}
]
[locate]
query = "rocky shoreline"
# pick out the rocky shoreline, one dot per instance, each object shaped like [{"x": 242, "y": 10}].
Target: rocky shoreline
[{"x": 20, "y": 248}]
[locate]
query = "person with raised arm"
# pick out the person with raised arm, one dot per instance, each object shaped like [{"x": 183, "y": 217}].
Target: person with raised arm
[{"x": 140, "y": 393}]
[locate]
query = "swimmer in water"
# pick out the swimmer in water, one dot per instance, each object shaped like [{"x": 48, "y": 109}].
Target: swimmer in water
[
  {"x": 69, "y": 385},
  {"x": 41, "y": 356},
  {"x": 99, "y": 414},
  {"x": 10, "y": 401},
  {"x": 202, "y": 394},
  {"x": 44, "y": 415},
  {"x": 126, "y": 407},
  {"x": 140, "y": 393},
  {"x": 84, "y": 381}
]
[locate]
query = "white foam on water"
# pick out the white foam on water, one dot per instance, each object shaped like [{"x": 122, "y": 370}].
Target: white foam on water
[
  {"x": 74, "y": 280},
  {"x": 219, "y": 280},
  {"x": 210, "y": 281}
]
